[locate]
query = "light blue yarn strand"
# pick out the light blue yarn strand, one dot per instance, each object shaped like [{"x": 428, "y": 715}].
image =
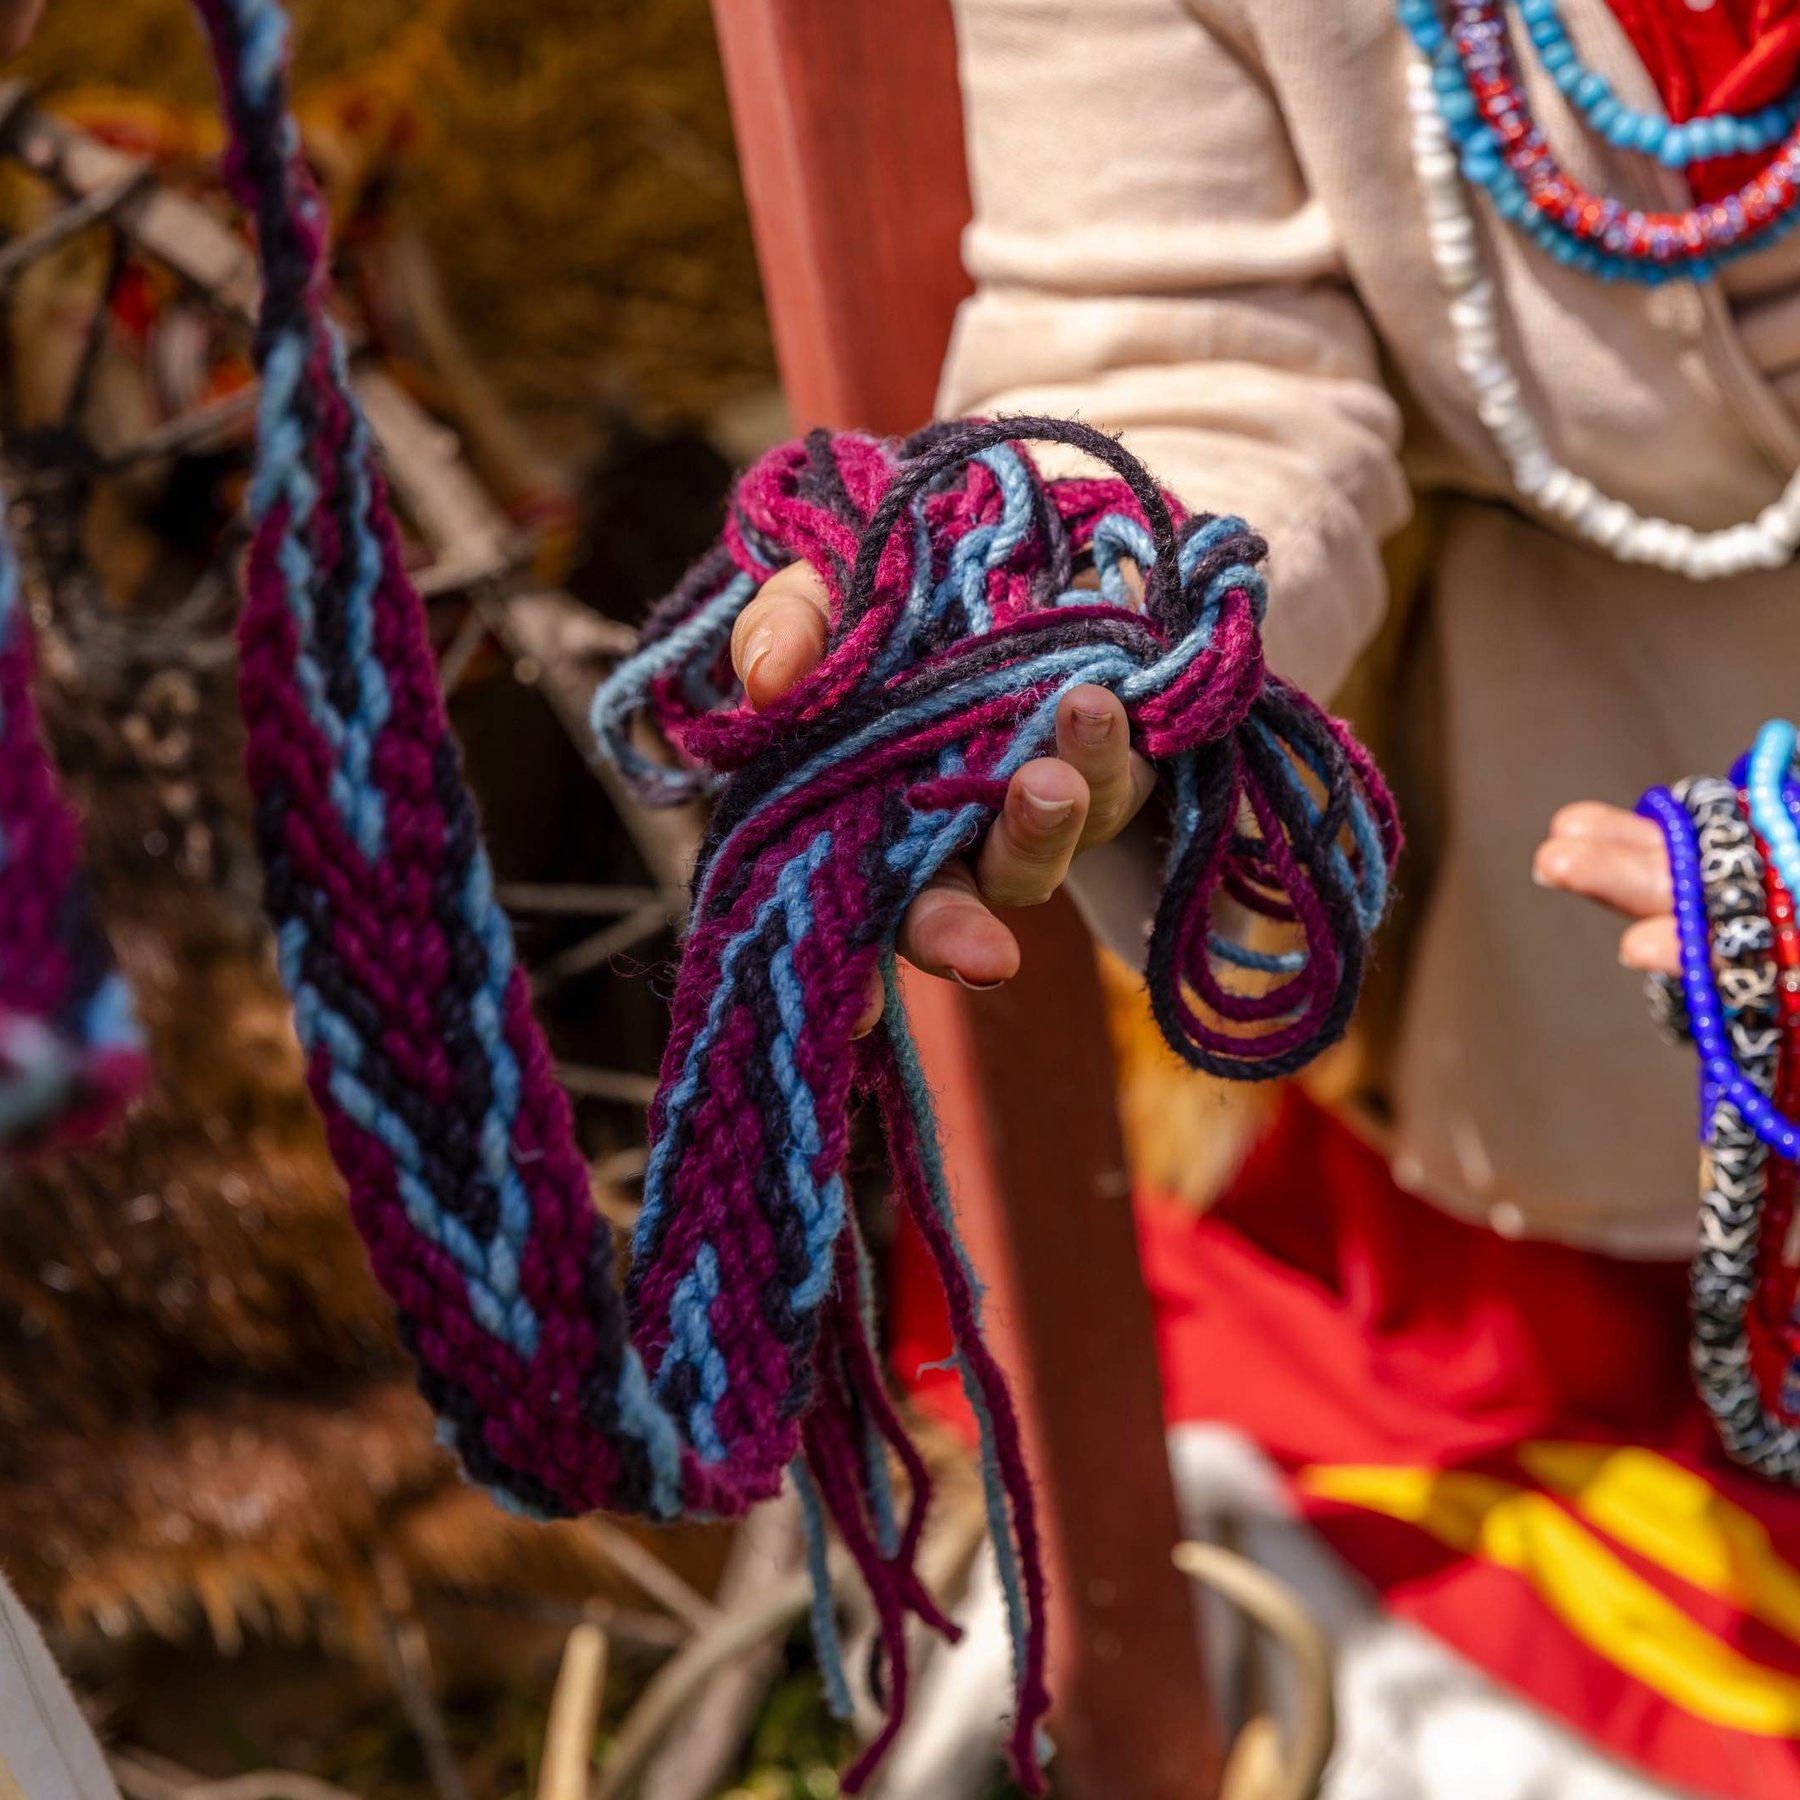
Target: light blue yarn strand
[
  {"x": 623, "y": 693},
  {"x": 828, "y": 1648},
  {"x": 879, "y": 1481},
  {"x": 657, "y": 1170},
  {"x": 937, "y": 1187},
  {"x": 691, "y": 1345}
]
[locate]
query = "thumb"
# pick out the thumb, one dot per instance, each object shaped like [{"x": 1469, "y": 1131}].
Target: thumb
[{"x": 780, "y": 636}]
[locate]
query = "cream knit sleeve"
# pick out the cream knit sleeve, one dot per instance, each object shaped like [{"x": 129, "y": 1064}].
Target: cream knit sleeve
[{"x": 1147, "y": 257}]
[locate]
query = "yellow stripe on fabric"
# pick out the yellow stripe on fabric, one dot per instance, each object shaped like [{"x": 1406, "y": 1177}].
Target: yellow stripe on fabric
[
  {"x": 1676, "y": 1519},
  {"x": 1603, "y": 1602}
]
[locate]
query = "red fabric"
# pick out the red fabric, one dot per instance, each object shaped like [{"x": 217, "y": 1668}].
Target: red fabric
[
  {"x": 1336, "y": 1320},
  {"x": 1728, "y": 56}
]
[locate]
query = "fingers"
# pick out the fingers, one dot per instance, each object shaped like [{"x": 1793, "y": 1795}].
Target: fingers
[
  {"x": 1626, "y": 874},
  {"x": 949, "y": 931},
  {"x": 780, "y": 636},
  {"x": 1593, "y": 819},
  {"x": 1616, "y": 858},
  {"x": 1027, "y": 851},
  {"x": 874, "y": 1004},
  {"x": 1652, "y": 946},
  {"x": 1049, "y": 814},
  {"x": 1093, "y": 737}
]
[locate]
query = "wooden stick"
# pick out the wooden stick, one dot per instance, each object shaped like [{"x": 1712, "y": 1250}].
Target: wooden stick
[
  {"x": 599, "y": 948},
  {"x": 142, "y": 1776},
  {"x": 695, "y": 1762},
  {"x": 574, "y": 1713},
  {"x": 670, "y": 1690},
  {"x": 651, "y": 1575},
  {"x": 1278, "y": 1610},
  {"x": 409, "y": 1667}
]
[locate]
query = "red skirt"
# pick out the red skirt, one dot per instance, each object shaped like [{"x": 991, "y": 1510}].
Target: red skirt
[{"x": 1499, "y": 1435}]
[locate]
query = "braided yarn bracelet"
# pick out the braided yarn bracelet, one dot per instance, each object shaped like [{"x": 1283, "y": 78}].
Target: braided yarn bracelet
[
  {"x": 71, "y": 1053},
  {"x": 743, "y": 1348}
]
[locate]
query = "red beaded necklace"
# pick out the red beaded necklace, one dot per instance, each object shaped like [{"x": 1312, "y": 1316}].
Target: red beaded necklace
[{"x": 1478, "y": 31}]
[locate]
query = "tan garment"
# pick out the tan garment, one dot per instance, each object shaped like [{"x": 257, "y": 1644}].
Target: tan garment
[{"x": 1197, "y": 220}]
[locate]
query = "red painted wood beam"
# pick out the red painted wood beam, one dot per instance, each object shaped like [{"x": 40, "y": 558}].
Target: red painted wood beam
[{"x": 849, "y": 126}]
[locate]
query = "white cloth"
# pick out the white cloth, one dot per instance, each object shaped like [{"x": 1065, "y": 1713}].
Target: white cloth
[
  {"x": 46, "y": 1747},
  {"x": 1415, "y": 1722}
]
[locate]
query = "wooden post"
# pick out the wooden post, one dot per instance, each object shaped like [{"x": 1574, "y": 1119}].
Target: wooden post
[{"x": 849, "y": 126}]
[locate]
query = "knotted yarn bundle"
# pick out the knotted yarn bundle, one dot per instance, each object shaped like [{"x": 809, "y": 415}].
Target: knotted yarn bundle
[
  {"x": 957, "y": 628},
  {"x": 742, "y": 1351},
  {"x": 71, "y": 1053}
]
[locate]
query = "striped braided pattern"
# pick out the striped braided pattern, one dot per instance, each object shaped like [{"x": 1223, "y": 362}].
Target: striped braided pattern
[
  {"x": 71, "y": 1053},
  {"x": 434, "y": 1083}
]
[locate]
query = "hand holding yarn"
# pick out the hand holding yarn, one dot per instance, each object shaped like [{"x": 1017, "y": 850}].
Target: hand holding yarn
[
  {"x": 1056, "y": 806},
  {"x": 951, "y": 568}
]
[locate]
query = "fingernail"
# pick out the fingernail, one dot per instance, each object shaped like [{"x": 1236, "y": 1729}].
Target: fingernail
[
  {"x": 1092, "y": 726},
  {"x": 975, "y": 987},
  {"x": 762, "y": 641},
  {"x": 1549, "y": 868},
  {"x": 1045, "y": 814}
]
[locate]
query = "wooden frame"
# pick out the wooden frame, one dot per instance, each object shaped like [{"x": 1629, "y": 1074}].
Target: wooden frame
[{"x": 849, "y": 126}]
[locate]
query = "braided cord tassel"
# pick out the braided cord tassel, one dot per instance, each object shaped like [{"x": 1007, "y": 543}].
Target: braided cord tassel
[
  {"x": 433, "y": 1081},
  {"x": 750, "y": 1348},
  {"x": 71, "y": 1053},
  {"x": 957, "y": 630},
  {"x": 743, "y": 1345}
]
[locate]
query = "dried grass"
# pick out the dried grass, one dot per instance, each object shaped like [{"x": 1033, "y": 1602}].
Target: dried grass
[{"x": 572, "y": 167}]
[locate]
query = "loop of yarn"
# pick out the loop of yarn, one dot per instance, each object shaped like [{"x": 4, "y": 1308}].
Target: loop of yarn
[
  {"x": 744, "y": 1346},
  {"x": 71, "y": 1052}
]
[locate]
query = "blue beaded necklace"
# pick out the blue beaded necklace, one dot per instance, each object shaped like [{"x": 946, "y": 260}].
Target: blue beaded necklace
[
  {"x": 1654, "y": 134},
  {"x": 1768, "y": 783},
  {"x": 1721, "y": 1077},
  {"x": 1480, "y": 156}
]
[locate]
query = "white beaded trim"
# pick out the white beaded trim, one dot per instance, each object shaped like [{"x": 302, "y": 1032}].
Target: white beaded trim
[{"x": 1766, "y": 542}]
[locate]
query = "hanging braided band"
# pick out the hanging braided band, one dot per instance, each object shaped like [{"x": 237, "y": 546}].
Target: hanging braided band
[
  {"x": 744, "y": 1345},
  {"x": 71, "y": 1053}
]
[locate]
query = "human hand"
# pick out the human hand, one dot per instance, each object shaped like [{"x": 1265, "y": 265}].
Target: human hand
[
  {"x": 1618, "y": 859},
  {"x": 18, "y": 20},
  {"x": 1056, "y": 806}
]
